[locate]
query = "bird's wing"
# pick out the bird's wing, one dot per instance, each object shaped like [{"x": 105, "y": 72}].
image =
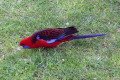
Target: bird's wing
[{"x": 53, "y": 35}]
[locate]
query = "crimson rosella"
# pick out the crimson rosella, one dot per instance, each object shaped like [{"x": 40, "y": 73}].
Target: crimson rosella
[{"x": 52, "y": 37}]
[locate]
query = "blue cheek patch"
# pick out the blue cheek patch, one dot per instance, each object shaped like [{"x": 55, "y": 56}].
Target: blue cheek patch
[{"x": 26, "y": 47}]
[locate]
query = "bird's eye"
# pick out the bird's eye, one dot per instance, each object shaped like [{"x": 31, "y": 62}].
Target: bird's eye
[{"x": 23, "y": 44}]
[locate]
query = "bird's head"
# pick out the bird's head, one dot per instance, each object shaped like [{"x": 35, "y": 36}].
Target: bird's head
[{"x": 26, "y": 43}]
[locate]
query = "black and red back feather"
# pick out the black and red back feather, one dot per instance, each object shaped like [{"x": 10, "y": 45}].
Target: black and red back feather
[{"x": 56, "y": 33}]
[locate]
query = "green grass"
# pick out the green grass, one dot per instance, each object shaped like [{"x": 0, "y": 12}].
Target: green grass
[{"x": 86, "y": 59}]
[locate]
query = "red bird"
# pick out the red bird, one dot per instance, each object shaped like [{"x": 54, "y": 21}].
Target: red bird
[{"x": 52, "y": 37}]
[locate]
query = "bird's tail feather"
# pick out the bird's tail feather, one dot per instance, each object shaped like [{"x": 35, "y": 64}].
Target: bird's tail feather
[{"x": 86, "y": 36}]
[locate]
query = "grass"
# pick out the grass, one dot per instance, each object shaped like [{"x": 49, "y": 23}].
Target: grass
[{"x": 86, "y": 59}]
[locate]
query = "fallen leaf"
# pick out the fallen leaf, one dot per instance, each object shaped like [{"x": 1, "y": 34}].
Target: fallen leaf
[
  {"x": 108, "y": 22},
  {"x": 26, "y": 60},
  {"x": 2, "y": 57},
  {"x": 118, "y": 30},
  {"x": 67, "y": 23},
  {"x": 63, "y": 60}
]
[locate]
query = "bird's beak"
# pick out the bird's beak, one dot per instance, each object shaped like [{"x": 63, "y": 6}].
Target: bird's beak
[{"x": 21, "y": 47}]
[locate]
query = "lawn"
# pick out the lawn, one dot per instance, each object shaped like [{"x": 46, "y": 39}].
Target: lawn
[{"x": 85, "y": 59}]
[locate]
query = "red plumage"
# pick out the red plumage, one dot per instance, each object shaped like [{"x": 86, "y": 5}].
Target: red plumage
[
  {"x": 48, "y": 37},
  {"x": 52, "y": 37}
]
